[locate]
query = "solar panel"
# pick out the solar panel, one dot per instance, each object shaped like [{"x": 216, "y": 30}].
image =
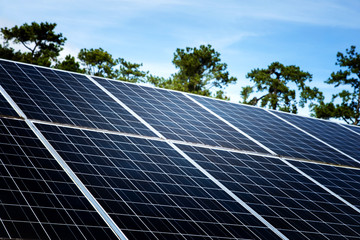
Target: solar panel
[
  {"x": 331, "y": 133},
  {"x": 283, "y": 139},
  {"x": 38, "y": 200},
  {"x": 293, "y": 204},
  {"x": 57, "y": 96},
  {"x": 91, "y": 158},
  {"x": 177, "y": 117},
  {"x": 343, "y": 181},
  {"x": 150, "y": 190}
]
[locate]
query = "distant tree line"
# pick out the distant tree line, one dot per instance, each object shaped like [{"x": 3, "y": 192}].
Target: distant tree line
[{"x": 200, "y": 70}]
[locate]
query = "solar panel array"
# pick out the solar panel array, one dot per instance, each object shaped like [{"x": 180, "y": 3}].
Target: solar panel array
[{"x": 84, "y": 157}]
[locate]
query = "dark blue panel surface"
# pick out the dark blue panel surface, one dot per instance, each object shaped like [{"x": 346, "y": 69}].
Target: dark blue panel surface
[
  {"x": 5, "y": 108},
  {"x": 343, "y": 181},
  {"x": 353, "y": 128},
  {"x": 289, "y": 201},
  {"x": 150, "y": 191},
  {"x": 37, "y": 199},
  {"x": 331, "y": 133},
  {"x": 177, "y": 117},
  {"x": 58, "y": 96},
  {"x": 274, "y": 133}
]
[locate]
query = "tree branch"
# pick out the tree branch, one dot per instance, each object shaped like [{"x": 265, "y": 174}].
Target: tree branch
[
  {"x": 26, "y": 46},
  {"x": 345, "y": 119}
]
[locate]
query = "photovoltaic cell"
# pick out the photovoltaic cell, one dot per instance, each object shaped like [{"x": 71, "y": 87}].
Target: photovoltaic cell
[
  {"x": 330, "y": 132},
  {"x": 5, "y": 108},
  {"x": 150, "y": 190},
  {"x": 57, "y": 96},
  {"x": 282, "y": 138},
  {"x": 37, "y": 199},
  {"x": 177, "y": 117},
  {"x": 343, "y": 181},
  {"x": 297, "y": 207}
]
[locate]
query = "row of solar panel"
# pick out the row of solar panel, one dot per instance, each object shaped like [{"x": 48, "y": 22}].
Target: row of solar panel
[
  {"x": 62, "y": 97},
  {"x": 152, "y": 192}
]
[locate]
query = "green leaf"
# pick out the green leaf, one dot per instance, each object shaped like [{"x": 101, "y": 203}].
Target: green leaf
[
  {"x": 274, "y": 83},
  {"x": 349, "y": 76}
]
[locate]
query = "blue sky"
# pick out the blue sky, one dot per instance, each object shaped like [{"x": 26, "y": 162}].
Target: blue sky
[{"x": 248, "y": 34}]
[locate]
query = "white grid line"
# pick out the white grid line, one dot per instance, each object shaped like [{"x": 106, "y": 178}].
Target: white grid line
[
  {"x": 46, "y": 183},
  {"x": 295, "y": 216},
  {"x": 2, "y": 223},
  {"x": 28, "y": 204}
]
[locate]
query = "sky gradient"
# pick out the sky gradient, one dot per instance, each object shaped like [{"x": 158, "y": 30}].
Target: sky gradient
[{"x": 247, "y": 34}]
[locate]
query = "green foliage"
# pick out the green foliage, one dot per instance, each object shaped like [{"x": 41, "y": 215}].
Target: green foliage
[
  {"x": 169, "y": 83},
  {"x": 245, "y": 94},
  {"x": 221, "y": 95},
  {"x": 98, "y": 62},
  {"x": 7, "y": 52},
  {"x": 44, "y": 46},
  {"x": 42, "y": 43},
  {"x": 200, "y": 69},
  {"x": 130, "y": 72},
  {"x": 349, "y": 107},
  {"x": 70, "y": 64},
  {"x": 156, "y": 81},
  {"x": 275, "y": 81}
]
